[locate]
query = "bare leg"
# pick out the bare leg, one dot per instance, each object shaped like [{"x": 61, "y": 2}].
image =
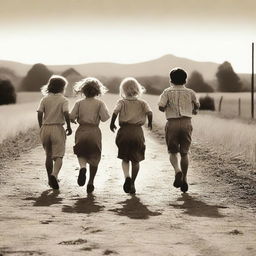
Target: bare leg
[
  {"x": 125, "y": 166},
  {"x": 82, "y": 162},
  {"x": 135, "y": 170},
  {"x": 49, "y": 164},
  {"x": 82, "y": 172},
  {"x": 93, "y": 171},
  {"x": 57, "y": 166},
  {"x": 175, "y": 163},
  {"x": 184, "y": 161}
]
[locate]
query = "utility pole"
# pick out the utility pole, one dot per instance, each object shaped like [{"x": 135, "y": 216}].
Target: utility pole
[{"x": 252, "y": 83}]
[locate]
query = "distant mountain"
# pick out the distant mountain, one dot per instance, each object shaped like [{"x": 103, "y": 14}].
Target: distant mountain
[
  {"x": 19, "y": 68},
  {"x": 9, "y": 74},
  {"x": 156, "y": 67}
]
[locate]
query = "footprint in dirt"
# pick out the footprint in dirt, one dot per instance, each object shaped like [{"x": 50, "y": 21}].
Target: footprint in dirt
[
  {"x": 74, "y": 242},
  {"x": 109, "y": 252}
]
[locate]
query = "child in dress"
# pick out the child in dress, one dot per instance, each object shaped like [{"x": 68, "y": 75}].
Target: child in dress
[
  {"x": 52, "y": 114},
  {"x": 88, "y": 112},
  {"x": 130, "y": 140}
]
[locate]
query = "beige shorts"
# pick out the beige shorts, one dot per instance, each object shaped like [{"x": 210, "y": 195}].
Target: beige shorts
[{"x": 53, "y": 138}]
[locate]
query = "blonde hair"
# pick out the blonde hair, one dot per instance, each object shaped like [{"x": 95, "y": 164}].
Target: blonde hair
[
  {"x": 90, "y": 87},
  {"x": 55, "y": 84},
  {"x": 130, "y": 87}
]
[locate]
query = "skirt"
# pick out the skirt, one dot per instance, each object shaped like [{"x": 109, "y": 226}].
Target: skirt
[
  {"x": 131, "y": 143},
  {"x": 88, "y": 143}
]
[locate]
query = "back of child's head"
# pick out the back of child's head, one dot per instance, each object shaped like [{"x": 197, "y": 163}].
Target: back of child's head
[
  {"x": 56, "y": 84},
  {"x": 90, "y": 87},
  {"x": 178, "y": 76},
  {"x": 130, "y": 87}
]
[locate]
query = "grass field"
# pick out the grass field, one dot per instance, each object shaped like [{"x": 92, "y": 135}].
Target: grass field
[
  {"x": 229, "y": 106},
  {"x": 20, "y": 117},
  {"x": 232, "y": 137}
]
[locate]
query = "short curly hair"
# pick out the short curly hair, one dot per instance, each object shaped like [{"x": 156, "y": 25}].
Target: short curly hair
[
  {"x": 130, "y": 87},
  {"x": 90, "y": 87},
  {"x": 178, "y": 76},
  {"x": 56, "y": 84}
]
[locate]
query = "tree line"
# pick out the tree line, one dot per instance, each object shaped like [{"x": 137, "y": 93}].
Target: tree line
[{"x": 38, "y": 75}]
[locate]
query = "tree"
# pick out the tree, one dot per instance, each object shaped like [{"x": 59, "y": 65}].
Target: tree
[
  {"x": 7, "y": 92},
  {"x": 228, "y": 80},
  {"x": 36, "y": 77},
  {"x": 196, "y": 82}
]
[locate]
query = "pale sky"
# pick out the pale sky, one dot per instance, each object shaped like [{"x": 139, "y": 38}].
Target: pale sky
[{"x": 82, "y": 31}]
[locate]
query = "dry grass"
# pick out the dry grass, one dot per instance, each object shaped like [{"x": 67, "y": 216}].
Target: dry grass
[
  {"x": 231, "y": 137},
  {"x": 20, "y": 117},
  {"x": 229, "y": 107},
  {"x": 17, "y": 118}
]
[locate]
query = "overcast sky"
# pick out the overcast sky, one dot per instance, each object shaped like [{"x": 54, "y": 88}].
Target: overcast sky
[{"x": 80, "y": 31}]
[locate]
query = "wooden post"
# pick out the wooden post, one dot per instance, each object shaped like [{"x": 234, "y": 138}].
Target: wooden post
[
  {"x": 220, "y": 102},
  {"x": 239, "y": 107},
  {"x": 252, "y": 83}
]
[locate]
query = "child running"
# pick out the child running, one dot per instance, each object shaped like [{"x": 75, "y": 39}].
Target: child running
[
  {"x": 89, "y": 112},
  {"x": 52, "y": 113},
  {"x": 178, "y": 103},
  {"x": 130, "y": 140}
]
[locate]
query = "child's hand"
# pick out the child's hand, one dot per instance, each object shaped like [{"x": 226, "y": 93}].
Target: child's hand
[
  {"x": 68, "y": 131},
  {"x": 150, "y": 126},
  {"x": 112, "y": 127},
  {"x": 195, "y": 111}
]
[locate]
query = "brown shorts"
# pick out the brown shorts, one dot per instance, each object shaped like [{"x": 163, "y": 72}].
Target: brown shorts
[
  {"x": 131, "y": 143},
  {"x": 178, "y": 135},
  {"x": 53, "y": 138}
]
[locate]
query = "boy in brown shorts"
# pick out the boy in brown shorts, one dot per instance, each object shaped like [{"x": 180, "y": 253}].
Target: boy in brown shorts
[{"x": 178, "y": 103}]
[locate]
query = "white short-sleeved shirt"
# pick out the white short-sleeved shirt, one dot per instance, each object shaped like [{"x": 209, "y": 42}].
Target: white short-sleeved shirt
[
  {"x": 53, "y": 106},
  {"x": 179, "y": 101},
  {"x": 132, "y": 110},
  {"x": 90, "y": 111}
]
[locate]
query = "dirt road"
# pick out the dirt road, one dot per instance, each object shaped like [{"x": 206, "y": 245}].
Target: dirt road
[{"x": 159, "y": 220}]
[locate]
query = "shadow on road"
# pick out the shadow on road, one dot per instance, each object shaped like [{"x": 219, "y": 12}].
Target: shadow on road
[
  {"x": 133, "y": 208},
  {"x": 195, "y": 207},
  {"x": 47, "y": 198},
  {"x": 84, "y": 205}
]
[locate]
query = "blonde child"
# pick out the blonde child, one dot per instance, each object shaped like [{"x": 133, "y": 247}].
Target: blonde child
[
  {"x": 130, "y": 140},
  {"x": 88, "y": 112},
  {"x": 52, "y": 114}
]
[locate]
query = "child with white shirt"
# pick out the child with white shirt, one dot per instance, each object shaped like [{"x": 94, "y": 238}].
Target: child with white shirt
[
  {"x": 178, "y": 103},
  {"x": 88, "y": 112},
  {"x": 52, "y": 114},
  {"x": 130, "y": 140}
]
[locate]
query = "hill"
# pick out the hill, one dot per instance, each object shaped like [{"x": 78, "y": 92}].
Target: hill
[
  {"x": 157, "y": 67},
  {"x": 154, "y": 68}
]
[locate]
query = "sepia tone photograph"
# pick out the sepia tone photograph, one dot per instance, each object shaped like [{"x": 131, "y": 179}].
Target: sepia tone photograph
[{"x": 127, "y": 128}]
